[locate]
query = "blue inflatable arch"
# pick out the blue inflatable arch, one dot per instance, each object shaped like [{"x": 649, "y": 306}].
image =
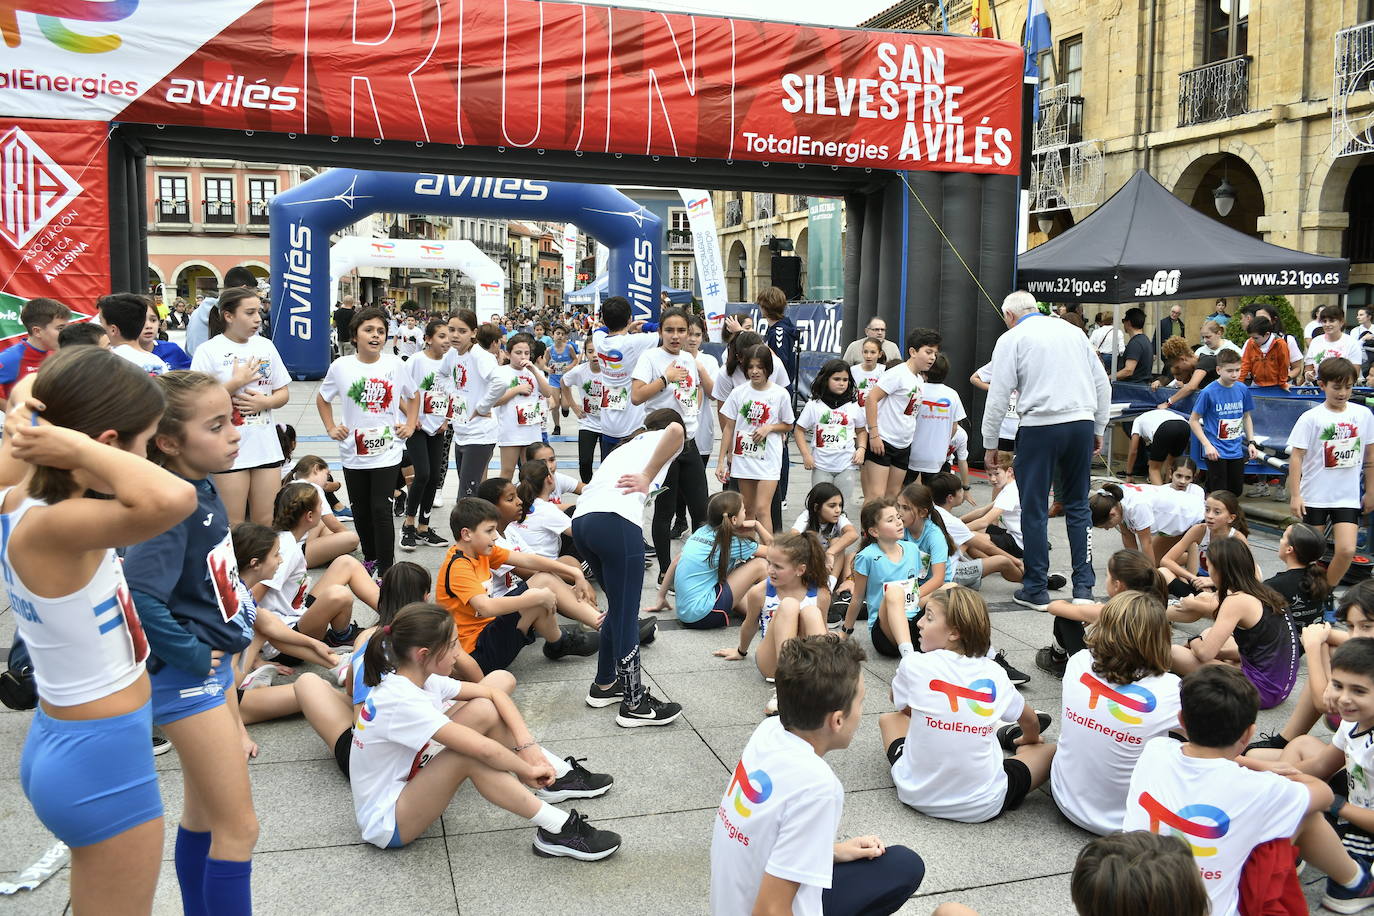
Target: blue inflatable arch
[{"x": 303, "y": 218}]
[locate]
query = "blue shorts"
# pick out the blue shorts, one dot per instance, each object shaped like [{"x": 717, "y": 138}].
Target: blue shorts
[
  {"x": 91, "y": 779},
  {"x": 719, "y": 614},
  {"x": 178, "y": 694}
]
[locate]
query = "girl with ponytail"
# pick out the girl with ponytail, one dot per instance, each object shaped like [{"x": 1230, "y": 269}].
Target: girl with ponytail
[{"x": 1303, "y": 580}]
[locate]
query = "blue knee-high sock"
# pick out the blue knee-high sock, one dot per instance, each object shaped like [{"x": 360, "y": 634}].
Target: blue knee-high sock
[
  {"x": 228, "y": 888},
  {"x": 192, "y": 849}
]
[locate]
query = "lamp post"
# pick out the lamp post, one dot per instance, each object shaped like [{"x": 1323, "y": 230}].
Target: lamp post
[{"x": 1224, "y": 197}]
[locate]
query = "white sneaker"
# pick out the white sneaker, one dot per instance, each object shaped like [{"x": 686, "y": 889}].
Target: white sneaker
[
  {"x": 771, "y": 707},
  {"x": 262, "y": 677},
  {"x": 438, "y": 501}
]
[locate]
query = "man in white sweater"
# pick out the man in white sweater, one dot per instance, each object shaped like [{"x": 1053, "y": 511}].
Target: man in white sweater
[{"x": 1063, "y": 400}]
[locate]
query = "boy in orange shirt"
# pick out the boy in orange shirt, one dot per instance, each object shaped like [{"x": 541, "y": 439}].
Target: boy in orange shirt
[{"x": 494, "y": 630}]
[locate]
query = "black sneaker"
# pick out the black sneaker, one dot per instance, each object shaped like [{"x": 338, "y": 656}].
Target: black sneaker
[
  {"x": 431, "y": 538},
  {"x": 346, "y": 638},
  {"x": 1055, "y": 583},
  {"x": 601, "y": 697},
  {"x": 587, "y": 571},
  {"x": 838, "y": 608},
  {"x": 1017, "y": 677},
  {"x": 649, "y": 552},
  {"x": 1340, "y": 899},
  {"x": 408, "y": 537},
  {"x": 649, "y": 712},
  {"x": 160, "y": 745},
  {"x": 648, "y": 630},
  {"x": 558, "y": 431},
  {"x": 1009, "y": 733},
  {"x": 1052, "y": 660},
  {"x": 399, "y": 507},
  {"x": 574, "y": 642},
  {"x": 577, "y": 840},
  {"x": 1271, "y": 740},
  {"x": 579, "y": 782},
  {"x": 679, "y": 529}
]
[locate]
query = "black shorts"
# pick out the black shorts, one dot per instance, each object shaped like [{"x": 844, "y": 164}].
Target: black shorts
[
  {"x": 343, "y": 748},
  {"x": 500, "y": 642},
  {"x": 1335, "y": 516},
  {"x": 1170, "y": 441},
  {"x": 882, "y": 642},
  {"x": 1018, "y": 776},
  {"x": 270, "y": 464},
  {"x": 1006, "y": 445},
  {"x": 1002, "y": 539},
  {"x": 892, "y": 456}
]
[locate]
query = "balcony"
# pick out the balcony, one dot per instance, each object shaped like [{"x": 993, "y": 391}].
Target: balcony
[
  {"x": 1351, "y": 128},
  {"x": 424, "y": 277},
  {"x": 219, "y": 213},
  {"x": 173, "y": 210},
  {"x": 734, "y": 212},
  {"x": 764, "y": 208},
  {"x": 1216, "y": 91},
  {"x": 679, "y": 239},
  {"x": 799, "y": 202},
  {"x": 258, "y": 212}
]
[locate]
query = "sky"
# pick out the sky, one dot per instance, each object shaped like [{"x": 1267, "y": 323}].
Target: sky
[{"x": 817, "y": 12}]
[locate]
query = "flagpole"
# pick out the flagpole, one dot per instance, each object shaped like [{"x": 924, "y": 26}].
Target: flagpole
[{"x": 996, "y": 27}]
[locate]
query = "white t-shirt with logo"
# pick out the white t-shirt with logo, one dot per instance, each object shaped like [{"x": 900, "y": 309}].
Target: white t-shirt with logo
[
  {"x": 372, "y": 396},
  {"x": 937, "y": 417},
  {"x": 563, "y": 484},
  {"x": 409, "y": 341},
  {"x": 390, "y": 734},
  {"x": 706, "y": 426},
  {"x": 1137, "y": 506},
  {"x": 951, "y": 766},
  {"x": 1359, "y": 767},
  {"x": 1333, "y": 460},
  {"x": 1103, "y": 728},
  {"x": 864, "y": 380},
  {"x": 520, "y": 421},
  {"x": 1346, "y": 347},
  {"x": 751, "y": 408},
  {"x": 286, "y": 591},
  {"x": 258, "y": 442},
  {"x": 832, "y": 433},
  {"x": 958, "y": 447},
  {"x": 471, "y": 374},
  {"x": 587, "y": 391},
  {"x": 726, "y": 382},
  {"x": 1176, "y": 510},
  {"x": 897, "y": 410},
  {"x": 959, "y": 533},
  {"x": 683, "y": 396},
  {"x": 619, "y": 355},
  {"x": 542, "y": 529},
  {"x": 779, "y": 815},
  {"x": 1222, "y": 810},
  {"x": 1009, "y": 501},
  {"x": 433, "y": 379},
  {"x": 603, "y": 493},
  {"x": 153, "y": 365}
]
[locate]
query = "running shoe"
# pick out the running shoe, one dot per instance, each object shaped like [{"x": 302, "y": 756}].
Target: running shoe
[
  {"x": 438, "y": 501},
  {"x": 1017, "y": 677},
  {"x": 648, "y": 630},
  {"x": 577, "y": 840},
  {"x": 601, "y": 697},
  {"x": 160, "y": 745},
  {"x": 650, "y": 711},
  {"x": 1053, "y": 660},
  {"x": 262, "y": 677},
  {"x": 679, "y": 529},
  {"x": 1034, "y": 602},
  {"x": 1055, "y": 583},
  {"x": 1008, "y": 734},
  {"x": 1340, "y": 899},
  {"x": 1269, "y": 740},
  {"x": 399, "y": 505},
  {"x": 344, "y": 514},
  {"x": 574, "y": 642},
  {"x": 346, "y": 638},
  {"x": 578, "y": 782},
  {"x": 431, "y": 538},
  {"x": 838, "y": 608},
  {"x": 408, "y": 538}
]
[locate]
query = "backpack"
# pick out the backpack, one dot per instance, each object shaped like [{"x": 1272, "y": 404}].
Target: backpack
[{"x": 18, "y": 689}]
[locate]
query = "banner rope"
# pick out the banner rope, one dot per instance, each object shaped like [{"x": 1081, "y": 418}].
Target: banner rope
[{"x": 948, "y": 241}]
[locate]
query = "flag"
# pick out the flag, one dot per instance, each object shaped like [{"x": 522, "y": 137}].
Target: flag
[
  {"x": 980, "y": 26},
  {"x": 1038, "y": 41}
]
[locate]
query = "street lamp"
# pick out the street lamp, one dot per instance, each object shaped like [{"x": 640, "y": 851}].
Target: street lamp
[
  {"x": 1046, "y": 222},
  {"x": 1224, "y": 197}
]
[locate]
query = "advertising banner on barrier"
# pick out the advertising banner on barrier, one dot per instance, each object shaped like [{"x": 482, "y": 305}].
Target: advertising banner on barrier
[
  {"x": 824, "y": 259},
  {"x": 701, "y": 218},
  {"x": 524, "y": 74},
  {"x": 54, "y": 228}
]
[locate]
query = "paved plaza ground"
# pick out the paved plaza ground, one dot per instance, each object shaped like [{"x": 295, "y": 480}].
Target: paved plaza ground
[{"x": 477, "y": 859}]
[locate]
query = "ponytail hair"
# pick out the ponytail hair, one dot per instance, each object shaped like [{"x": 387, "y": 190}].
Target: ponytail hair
[
  {"x": 1233, "y": 570},
  {"x": 533, "y": 476},
  {"x": 918, "y": 494},
  {"x": 1232, "y": 504},
  {"x": 1135, "y": 571},
  {"x": 403, "y": 584},
  {"x": 1308, "y": 548},
  {"x": 252, "y": 543},
  {"x": 719, "y": 510},
  {"x": 805, "y": 550},
  {"x": 308, "y": 464},
  {"x": 91, "y": 390},
  {"x": 179, "y": 388},
  {"x": 228, "y": 304},
  {"x": 419, "y": 625},
  {"x": 1104, "y": 499},
  {"x": 292, "y": 503}
]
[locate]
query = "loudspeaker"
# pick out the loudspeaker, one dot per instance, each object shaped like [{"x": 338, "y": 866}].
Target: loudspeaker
[{"x": 787, "y": 275}]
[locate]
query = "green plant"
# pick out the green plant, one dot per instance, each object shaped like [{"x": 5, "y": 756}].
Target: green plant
[{"x": 1235, "y": 330}]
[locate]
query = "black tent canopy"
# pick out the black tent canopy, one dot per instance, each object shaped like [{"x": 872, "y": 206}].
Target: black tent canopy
[{"x": 1146, "y": 245}]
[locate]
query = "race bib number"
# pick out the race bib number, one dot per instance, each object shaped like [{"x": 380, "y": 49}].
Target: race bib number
[
  {"x": 689, "y": 400},
  {"x": 834, "y": 437},
  {"x": 909, "y": 589},
  {"x": 1011, "y": 406},
  {"x": 1342, "y": 453},
  {"x": 746, "y": 447},
  {"x": 615, "y": 398},
  {"x": 224, "y": 576},
  {"x": 250, "y": 418},
  {"x": 458, "y": 406},
  {"x": 531, "y": 414},
  {"x": 1231, "y": 429},
  {"x": 436, "y": 404},
  {"x": 372, "y": 441}
]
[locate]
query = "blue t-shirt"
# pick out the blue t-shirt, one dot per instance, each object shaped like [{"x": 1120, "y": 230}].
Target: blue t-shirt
[
  {"x": 873, "y": 563},
  {"x": 192, "y": 570},
  {"x": 1223, "y": 413},
  {"x": 933, "y": 549},
  {"x": 171, "y": 354},
  {"x": 695, "y": 580},
  {"x": 559, "y": 362}
]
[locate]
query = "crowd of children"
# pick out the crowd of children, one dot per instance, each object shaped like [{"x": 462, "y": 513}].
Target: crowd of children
[{"x": 219, "y": 526}]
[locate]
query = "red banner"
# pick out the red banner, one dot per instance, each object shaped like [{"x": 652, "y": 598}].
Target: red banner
[
  {"x": 521, "y": 73},
  {"x": 54, "y": 228}
]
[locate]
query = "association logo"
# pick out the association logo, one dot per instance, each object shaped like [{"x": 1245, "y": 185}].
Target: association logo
[
  {"x": 1121, "y": 702},
  {"x": 753, "y": 788},
  {"x": 366, "y": 714},
  {"x": 50, "y": 14},
  {"x": 976, "y": 694},
  {"x": 1206, "y": 822},
  {"x": 35, "y": 188}
]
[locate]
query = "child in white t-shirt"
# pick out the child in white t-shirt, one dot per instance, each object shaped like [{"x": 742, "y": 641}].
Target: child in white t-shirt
[
  {"x": 1224, "y": 805},
  {"x": 867, "y": 373},
  {"x": 1118, "y": 694},
  {"x": 396, "y": 797},
  {"x": 942, "y": 742},
  {"x": 542, "y": 525},
  {"x": 890, "y": 410},
  {"x": 1001, "y": 518},
  {"x": 975, "y": 554},
  {"x": 937, "y": 417},
  {"x": 831, "y": 432},
  {"x": 519, "y": 407},
  {"x": 1334, "y": 343},
  {"x": 773, "y": 844},
  {"x": 753, "y": 421}
]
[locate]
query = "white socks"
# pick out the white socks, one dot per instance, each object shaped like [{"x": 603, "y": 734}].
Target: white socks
[
  {"x": 549, "y": 818},
  {"x": 904, "y": 649},
  {"x": 560, "y": 766}
]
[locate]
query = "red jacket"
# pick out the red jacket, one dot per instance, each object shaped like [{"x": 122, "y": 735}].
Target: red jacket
[{"x": 1259, "y": 368}]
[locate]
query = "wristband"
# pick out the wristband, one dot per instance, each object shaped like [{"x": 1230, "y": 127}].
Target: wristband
[
  {"x": 848, "y": 631},
  {"x": 742, "y": 652},
  {"x": 525, "y": 747},
  {"x": 1336, "y": 806}
]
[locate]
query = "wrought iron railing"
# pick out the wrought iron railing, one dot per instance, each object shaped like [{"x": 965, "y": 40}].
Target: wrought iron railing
[
  {"x": 679, "y": 239},
  {"x": 219, "y": 212},
  {"x": 1352, "y": 116},
  {"x": 173, "y": 210},
  {"x": 764, "y": 207},
  {"x": 1213, "y": 92},
  {"x": 257, "y": 211},
  {"x": 734, "y": 212}
]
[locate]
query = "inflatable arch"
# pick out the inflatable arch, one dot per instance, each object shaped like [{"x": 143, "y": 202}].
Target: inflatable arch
[
  {"x": 302, "y": 219},
  {"x": 459, "y": 254}
]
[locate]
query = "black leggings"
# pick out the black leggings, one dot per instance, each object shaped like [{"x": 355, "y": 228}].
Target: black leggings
[
  {"x": 471, "y": 460},
  {"x": 1226, "y": 474},
  {"x": 587, "y": 441},
  {"x": 1069, "y": 634},
  {"x": 426, "y": 456},
  {"x": 369, "y": 492},
  {"x": 686, "y": 475},
  {"x": 442, "y": 475}
]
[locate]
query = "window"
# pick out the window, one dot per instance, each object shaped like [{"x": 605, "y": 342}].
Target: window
[
  {"x": 680, "y": 273},
  {"x": 679, "y": 220},
  {"x": 219, "y": 189},
  {"x": 1047, "y": 71},
  {"x": 172, "y": 205},
  {"x": 219, "y": 200},
  {"x": 260, "y": 193},
  {"x": 1366, "y": 11},
  {"x": 1071, "y": 61},
  {"x": 1228, "y": 29}
]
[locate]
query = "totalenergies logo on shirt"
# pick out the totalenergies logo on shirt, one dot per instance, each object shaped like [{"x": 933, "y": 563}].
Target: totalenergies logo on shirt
[
  {"x": 612, "y": 360},
  {"x": 979, "y": 692},
  {"x": 1131, "y": 697},
  {"x": 366, "y": 714},
  {"x": 1184, "y": 822},
  {"x": 743, "y": 787}
]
